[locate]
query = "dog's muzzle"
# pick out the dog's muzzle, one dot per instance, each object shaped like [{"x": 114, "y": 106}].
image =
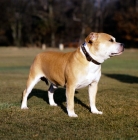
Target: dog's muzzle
[{"x": 121, "y": 49}]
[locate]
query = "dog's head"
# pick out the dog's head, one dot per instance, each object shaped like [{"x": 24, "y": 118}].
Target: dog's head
[{"x": 103, "y": 46}]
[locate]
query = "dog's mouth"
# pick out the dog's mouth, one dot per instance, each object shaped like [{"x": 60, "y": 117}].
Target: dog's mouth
[{"x": 114, "y": 54}]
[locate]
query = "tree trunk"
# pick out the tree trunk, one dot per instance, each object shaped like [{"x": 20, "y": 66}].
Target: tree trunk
[
  {"x": 51, "y": 18},
  {"x": 82, "y": 36},
  {"x": 16, "y": 33},
  {"x": 83, "y": 22}
]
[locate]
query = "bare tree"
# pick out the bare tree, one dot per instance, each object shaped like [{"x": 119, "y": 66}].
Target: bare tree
[
  {"x": 83, "y": 13},
  {"x": 51, "y": 19},
  {"x": 17, "y": 8}
]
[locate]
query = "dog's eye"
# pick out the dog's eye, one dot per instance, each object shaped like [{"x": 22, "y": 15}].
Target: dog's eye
[
  {"x": 90, "y": 42},
  {"x": 111, "y": 40}
]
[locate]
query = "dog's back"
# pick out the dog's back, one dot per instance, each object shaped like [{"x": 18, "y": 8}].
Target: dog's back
[{"x": 46, "y": 62}]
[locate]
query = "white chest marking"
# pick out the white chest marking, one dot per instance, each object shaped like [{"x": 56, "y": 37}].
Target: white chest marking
[{"x": 91, "y": 73}]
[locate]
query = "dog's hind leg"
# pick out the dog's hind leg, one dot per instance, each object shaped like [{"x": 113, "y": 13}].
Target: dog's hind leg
[
  {"x": 51, "y": 90},
  {"x": 30, "y": 84}
]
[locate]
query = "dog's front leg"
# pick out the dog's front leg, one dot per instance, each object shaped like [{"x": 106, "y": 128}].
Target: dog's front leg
[
  {"x": 70, "y": 90},
  {"x": 92, "y": 96}
]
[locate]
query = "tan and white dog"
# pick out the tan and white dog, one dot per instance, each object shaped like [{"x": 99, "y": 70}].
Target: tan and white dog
[{"x": 73, "y": 70}]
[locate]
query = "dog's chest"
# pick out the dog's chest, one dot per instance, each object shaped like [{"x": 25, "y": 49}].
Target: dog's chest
[{"x": 88, "y": 75}]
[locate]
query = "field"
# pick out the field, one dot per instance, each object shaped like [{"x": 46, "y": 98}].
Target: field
[{"x": 117, "y": 97}]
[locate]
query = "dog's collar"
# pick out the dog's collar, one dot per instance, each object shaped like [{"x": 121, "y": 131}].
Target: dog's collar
[{"x": 88, "y": 57}]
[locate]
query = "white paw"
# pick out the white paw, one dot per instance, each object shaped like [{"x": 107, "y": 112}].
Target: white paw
[
  {"x": 53, "y": 104},
  {"x": 95, "y": 111},
  {"x": 24, "y": 107},
  {"x": 72, "y": 114}
]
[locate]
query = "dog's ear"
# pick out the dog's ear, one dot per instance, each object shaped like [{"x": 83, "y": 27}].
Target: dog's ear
[{"x": 91, "y": 37}]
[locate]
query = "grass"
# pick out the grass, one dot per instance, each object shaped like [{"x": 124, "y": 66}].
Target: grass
[{"x": 117, "y": 97}]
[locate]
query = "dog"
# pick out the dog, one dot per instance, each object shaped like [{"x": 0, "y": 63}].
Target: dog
[{"x": 73, "y": 70}]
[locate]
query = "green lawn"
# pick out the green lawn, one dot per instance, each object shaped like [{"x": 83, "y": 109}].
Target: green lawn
[{"x": 117, "y": 97}]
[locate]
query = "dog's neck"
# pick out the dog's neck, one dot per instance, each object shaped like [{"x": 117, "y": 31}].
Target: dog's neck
[{"x": 87, "y": 55}]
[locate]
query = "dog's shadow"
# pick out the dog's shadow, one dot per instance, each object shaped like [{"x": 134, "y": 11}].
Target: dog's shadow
[
  {"x": 59, "y": 97},
  {"x": 123, "y": 78}
]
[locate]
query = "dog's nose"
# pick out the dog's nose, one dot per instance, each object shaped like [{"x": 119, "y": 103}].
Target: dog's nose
[{"x": 122, "y": 45}]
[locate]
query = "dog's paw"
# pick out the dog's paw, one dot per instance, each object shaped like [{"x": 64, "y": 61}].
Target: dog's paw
[
  {"x": 24, "y": 107},
  {"x": 72, "y": 114},
  {"x": 53, "y": 104},
  {"x": 95, "y": 111}
]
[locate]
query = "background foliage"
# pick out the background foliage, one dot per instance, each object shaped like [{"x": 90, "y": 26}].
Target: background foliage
[{"x": 34, "y": 22}]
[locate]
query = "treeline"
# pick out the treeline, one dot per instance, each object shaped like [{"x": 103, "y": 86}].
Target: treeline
[{"x": 50, "y": 22}]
